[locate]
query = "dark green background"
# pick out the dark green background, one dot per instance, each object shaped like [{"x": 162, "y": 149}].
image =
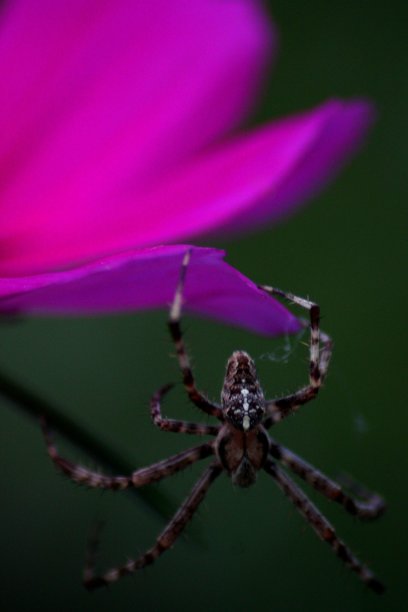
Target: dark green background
[{"x": 246, "y": 550}]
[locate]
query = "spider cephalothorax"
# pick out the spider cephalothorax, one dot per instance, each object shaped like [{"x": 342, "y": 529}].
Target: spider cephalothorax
[
  {"x": 242, "y": 454},
  {"x": 241, "y": 446}
]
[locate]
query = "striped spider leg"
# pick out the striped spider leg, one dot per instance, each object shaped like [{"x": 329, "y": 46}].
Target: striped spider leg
[
  {"x": 139, "y": 478},
  {"x": 184, "y": 361},
  {"x": 282, "y": 407},
  {"x": 372, "y": 508},
  {"x": 241, "y": 447}
]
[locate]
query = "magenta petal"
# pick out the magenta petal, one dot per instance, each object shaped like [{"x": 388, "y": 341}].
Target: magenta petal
[
  {"x": 255, "y": 179},
  {"x": 104, "y": 97},
  {"x": 187, "y": 68},
  {"x": 146, "y": 279}
]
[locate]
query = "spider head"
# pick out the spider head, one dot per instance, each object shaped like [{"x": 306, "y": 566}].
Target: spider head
[{"x": 243, "y": 402}]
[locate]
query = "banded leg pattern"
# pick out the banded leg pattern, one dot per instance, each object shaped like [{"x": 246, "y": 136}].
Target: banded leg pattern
[
  {"x": 369, "y": 507},
  {"x": 321, "y": 526},
  {"x": 184, "y": 362},
  {"x": 280, "y": 408},
  {"x": 138, "y": 478},
  {"x": 165, "y": 540},
  {"x": 174, "y": 425}
]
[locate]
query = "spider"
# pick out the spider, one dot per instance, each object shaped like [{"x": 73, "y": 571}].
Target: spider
[{"x": 241, "y": 446}]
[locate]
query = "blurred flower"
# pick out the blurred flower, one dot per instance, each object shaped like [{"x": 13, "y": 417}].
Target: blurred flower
[{"x": 117, "y": 123}]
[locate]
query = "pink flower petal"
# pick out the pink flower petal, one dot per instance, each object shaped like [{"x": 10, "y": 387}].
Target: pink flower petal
[
  {"x": 106, "y": 96},
  {"x": 146, "y": 279},
  {"x": 110, "y": 112},
  {"x": 256, "y": 179}
]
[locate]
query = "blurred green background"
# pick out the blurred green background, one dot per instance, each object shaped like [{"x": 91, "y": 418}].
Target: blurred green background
[{"x": 246, "y": 550}]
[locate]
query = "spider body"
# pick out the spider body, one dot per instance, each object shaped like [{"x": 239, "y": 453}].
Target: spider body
[
  {"x": 242, "y": 454},
  {"x": 242, "y": 443},
  {"x": 242, "y": 398},
  {"x": 241, "y": 446}
]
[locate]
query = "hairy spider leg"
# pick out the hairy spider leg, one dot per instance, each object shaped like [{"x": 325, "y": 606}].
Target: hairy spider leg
[
  {"x": 174, "y": 425},
  {"x": 138, "y": 478},
  {"x": 371, "y": 505},
  {"x": 321, "y": 526},
  {"x": 184, "y": 361},
  {"x": 280, "y": 408},
  {"x": 164, "y": 541}
]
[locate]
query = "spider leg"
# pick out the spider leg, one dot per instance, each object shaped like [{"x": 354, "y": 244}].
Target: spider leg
[
  {"x": 175, "y": 425},
  {"x": 282, "y": 407},
  {"x": 138, "y": 478},
  {"x": 370, "y": 506},
  {"x": 321, "y": 526},
  {"x": 175, "y": 331},
  {"x": 165, "y": 540}
]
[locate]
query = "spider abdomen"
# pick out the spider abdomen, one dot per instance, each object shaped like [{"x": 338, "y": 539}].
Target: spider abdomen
[{"x": 243, "y": 402}]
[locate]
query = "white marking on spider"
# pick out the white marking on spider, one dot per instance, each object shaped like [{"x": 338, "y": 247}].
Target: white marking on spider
[{"x": 246, "y": 422}]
